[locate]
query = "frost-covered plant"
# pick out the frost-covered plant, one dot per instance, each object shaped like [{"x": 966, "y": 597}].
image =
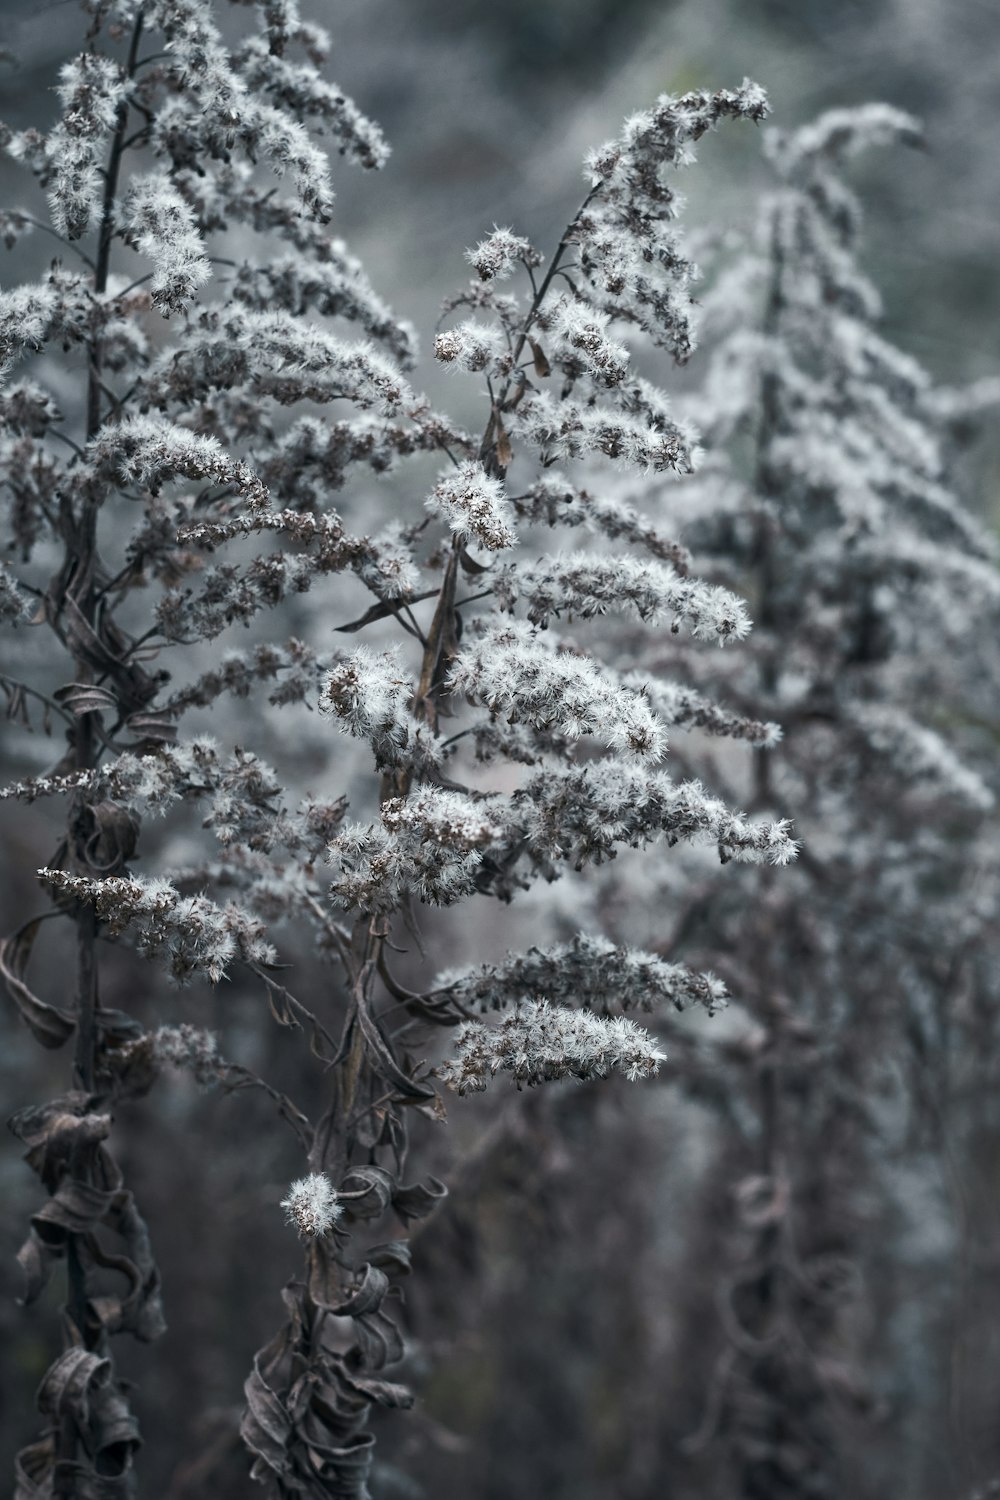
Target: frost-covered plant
[
  {"x": 828, "y": 493},
  {"x": 189, "y": 492}
]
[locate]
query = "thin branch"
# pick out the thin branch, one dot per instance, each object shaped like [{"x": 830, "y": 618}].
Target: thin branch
[{"x": 69, "y": 244}]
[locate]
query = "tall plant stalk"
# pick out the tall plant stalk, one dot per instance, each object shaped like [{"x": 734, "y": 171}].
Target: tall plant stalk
[{"x": 491, "y": 753}]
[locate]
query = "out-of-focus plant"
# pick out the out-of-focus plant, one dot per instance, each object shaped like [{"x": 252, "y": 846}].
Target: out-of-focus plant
[
  {"x": 829, "y": 493},
  {"x": 164, "y": 445}
]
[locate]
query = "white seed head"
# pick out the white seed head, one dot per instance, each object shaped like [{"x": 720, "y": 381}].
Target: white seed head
[{"x": 312, "y": 1206}]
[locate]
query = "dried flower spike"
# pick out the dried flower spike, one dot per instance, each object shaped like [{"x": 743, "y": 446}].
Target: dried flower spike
[{"x": 312, "y": 1206}]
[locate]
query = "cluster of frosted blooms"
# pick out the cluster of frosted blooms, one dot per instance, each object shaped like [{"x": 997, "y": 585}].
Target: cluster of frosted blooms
[
  {"x": 145, "y": 783},
  {"x": 683, "y": 707},
  {"x": 149, "y": 451},
  {"x": 214, "y": 108},
  {"x": 567, "y": 429},
  {"x": 369, "y": 694},
  {"x": 519, "y": 672},
  {"x": 336, "y": 286},
  {"x": 310, "y": 458},
  {"x": 275, "y": 355},
  {"x": 857, "y": 486},
  {"x": 157, "y": 222},
  {"x": 243, "y": 812},
  {"x": 495, "y": 257},
  {"x": 833, "y": 448},
  {"x": 908, "y": 559},
  {"x": 230, "y": 595},
  {"x": 29, "y": 788},
  {"x": 121, "y": 317},
  {"x": 856, "y": 456},
  {"x": 265, "y": 70},
  {"x": 30, "y": 316},
  {"x": 553, "y": 501},
  {"x": 582, "y": 331},
  {"x": 216, "y": 101},
  {"x": 588, "y": 971},
  {"x": 839, "y": 134},
  {"x": 294, "y": 667},
  {"x": 440, "y": 845},
  {"x": 192, "y": 933},
  {"x": 34, "y": 478},
  {"x": 26, "y": 408},
  {"x": 538, "y": 1042},
  {"x": 311, "y": 1206},
  {"x": 428, "y": 845},
  {"x": 583, "y": 812},
  {"x": 275, "y": 888},
  {"x": 91, "y": 91},
  {"x": 587, "y": 584},
  {"x": 630, "y": 263},
  {"x": 246, "y": 814},
  {"x": 473, "y": 348},
  {"x": 522, "y": 743},
  {"x": 474, "y": 505}
]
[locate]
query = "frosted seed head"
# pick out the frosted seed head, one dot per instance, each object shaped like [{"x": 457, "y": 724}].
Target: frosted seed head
[
  {"x": 311, "y": 1206},
  {"x": 495, "y": 257}
]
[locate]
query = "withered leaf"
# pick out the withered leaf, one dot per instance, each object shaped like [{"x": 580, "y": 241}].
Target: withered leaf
[
  {"x": 85, "y": 698},
  {"x": 307, "y": 1407},
  {"x": 539, "y": 360},
  {"x": 50, "y": 1025},
  {"x": 383, "y": 610},
  {"x": 505, "y": 452},
  {"x": 418, "y": 1200},
  {"x": 470, "y": 565},
  {"x": 65, "y": 1140},
  {"x": 382, "y": 1058},
  {"x": 79, "y": 1387},
  {"x": 153, "y": 727},
  {"x": 368, "y": 1190},
  {"x": 106, "y": 838}
]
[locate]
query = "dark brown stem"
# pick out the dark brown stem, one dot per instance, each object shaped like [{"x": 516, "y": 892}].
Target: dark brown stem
[
  {"x": 47, "y": 229},
  {"x": 763, "y": 550},
  {"x": 546, "y": 282}
]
